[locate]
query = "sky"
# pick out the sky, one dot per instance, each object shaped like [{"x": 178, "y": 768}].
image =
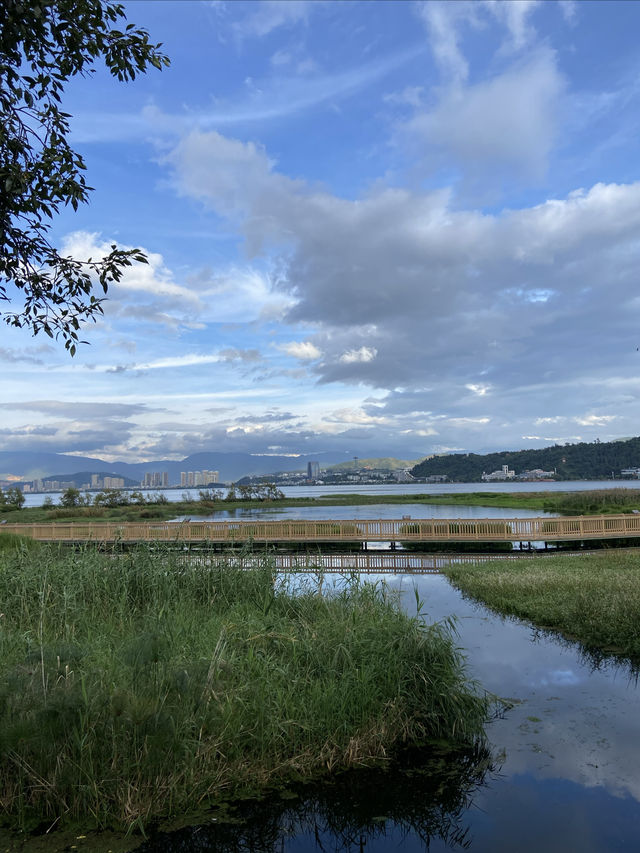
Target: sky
[{"x": 401, "y": 226}]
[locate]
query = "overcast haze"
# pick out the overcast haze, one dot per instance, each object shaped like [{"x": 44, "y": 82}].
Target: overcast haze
[{"x": 409, "y": 226}]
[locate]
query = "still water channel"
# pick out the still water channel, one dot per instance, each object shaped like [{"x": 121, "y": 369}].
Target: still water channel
[{"x": 566, "y": 761}]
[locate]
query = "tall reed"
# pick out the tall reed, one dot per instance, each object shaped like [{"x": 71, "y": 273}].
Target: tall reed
[{"x": 142, "y": 685}]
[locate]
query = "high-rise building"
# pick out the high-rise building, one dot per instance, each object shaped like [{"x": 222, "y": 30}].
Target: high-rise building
[
  {"x": 183, "y": 478},
  {"x": 114, "y": 482},
  {"x": 313, "y": 470},
  {"x": 156, "y": 480}
]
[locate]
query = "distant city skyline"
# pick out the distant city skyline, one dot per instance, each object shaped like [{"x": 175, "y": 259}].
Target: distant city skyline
[{"x": 400, "y": 226}]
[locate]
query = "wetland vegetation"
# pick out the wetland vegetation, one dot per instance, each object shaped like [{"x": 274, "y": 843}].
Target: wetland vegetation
[
  {"x": 142, "y": 686},
  {"x": 134, "y": 507},
  {"x": 593, "y": 598}
]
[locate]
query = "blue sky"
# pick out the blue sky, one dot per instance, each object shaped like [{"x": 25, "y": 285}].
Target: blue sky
[{"x": 400, "y": 226}]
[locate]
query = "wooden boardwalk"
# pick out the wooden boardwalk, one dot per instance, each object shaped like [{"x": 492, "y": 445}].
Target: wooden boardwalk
[
  {"x": 357, "y": 530},
  {"x": 376, "y": 562}
]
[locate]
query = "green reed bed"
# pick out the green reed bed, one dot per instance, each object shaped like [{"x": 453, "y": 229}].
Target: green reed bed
[
  {"x": 594, "y": 598},
  {"x": 593, "y": 502},
  {"x": 143, "y": 685}
]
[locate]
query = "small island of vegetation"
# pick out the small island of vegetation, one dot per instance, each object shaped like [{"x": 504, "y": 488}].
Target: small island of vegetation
[
  {"x": 138, "y": 686},
  {"x": 592, "y": 598}
]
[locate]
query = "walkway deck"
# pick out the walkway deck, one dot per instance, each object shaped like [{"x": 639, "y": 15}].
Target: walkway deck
[{"x": 357, "y": 530}]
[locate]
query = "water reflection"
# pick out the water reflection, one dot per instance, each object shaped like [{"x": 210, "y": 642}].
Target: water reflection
[
  {"x": 422, "y": 801},
  {"x": 572, "y": 721},
  {"x": 366, "y": 511}
]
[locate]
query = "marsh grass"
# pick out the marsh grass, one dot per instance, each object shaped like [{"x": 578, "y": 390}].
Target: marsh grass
[
  {"x": 593, "y": 598},
  {"x": 140, "y": 686},
  {"x": 593, "y": 502}
]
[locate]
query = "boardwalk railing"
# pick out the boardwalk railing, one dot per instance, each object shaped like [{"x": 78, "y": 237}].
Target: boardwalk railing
[{"x": 357, "y": 530}]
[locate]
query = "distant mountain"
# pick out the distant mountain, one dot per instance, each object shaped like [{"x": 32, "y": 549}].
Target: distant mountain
[
  {"x": 584, "y": 461},
  {"x": 22, "y": 465}
]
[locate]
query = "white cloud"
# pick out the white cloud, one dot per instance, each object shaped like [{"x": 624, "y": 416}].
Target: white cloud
[
  {"x": 504, "y": 126},
  {"x": 480, "y": 390},
  {"x": 304, "y": 350},
  {"x": 418, "y": 292},
  {"x": 270, "y": 15},
  {"x": 446, "y": 22},
  {"x": 356, "y": 416},
  {"x": 595, "y": 420},
  {"x": 358, "y": 356},
  {"x": 443, "y": 20},
  {"x": 514, "y": 15},
  {"x": 164, "y": 300}
]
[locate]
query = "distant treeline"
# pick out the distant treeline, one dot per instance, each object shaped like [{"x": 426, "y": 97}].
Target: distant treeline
[{"x": 582, "y": 461}]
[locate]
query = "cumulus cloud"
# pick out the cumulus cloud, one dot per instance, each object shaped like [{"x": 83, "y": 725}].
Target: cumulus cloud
[
  {"x": 146, "y": 291},
  {"x": 418, "y": 292},
  {"x": 304, "y": 350}
]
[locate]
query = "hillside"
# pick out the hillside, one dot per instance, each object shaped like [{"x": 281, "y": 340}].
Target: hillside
[
  {"x": 385, "y": 463},
  {"x": 571, "y": 461}
]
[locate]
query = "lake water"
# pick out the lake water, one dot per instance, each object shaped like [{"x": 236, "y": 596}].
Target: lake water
[
  {"x": 568, "y": 762},
  {"x": 174, "y": 495},
  {"x": 376, "y": 511}
]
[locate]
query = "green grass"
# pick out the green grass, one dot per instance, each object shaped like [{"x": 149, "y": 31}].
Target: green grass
[
  {"x": 594, "y": 502},
  {"x": 146, "y": 685},
  {"x": 593, "y": 598}
]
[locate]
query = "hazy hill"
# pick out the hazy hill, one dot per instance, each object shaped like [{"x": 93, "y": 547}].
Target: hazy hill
[
  {"x": 23, "y": 465},
  {"x": 387, "y": 463},
  {"x": 584, "y": 461}
]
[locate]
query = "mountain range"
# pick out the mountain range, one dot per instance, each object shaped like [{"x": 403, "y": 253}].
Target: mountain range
[{"x": 23, "y": 465}]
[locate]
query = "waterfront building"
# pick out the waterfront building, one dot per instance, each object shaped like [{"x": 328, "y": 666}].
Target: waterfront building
[{"x": 505, "y": 473}]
